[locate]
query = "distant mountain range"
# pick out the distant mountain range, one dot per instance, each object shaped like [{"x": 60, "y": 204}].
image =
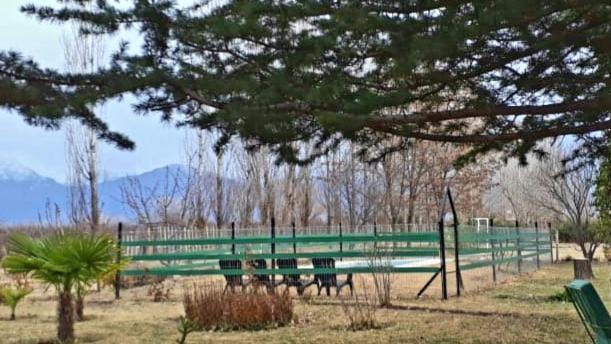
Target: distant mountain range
[{"x": 24, "y": 193}]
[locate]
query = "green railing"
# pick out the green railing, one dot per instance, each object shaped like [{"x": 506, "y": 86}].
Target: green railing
[{"x": 404, "y": 252}]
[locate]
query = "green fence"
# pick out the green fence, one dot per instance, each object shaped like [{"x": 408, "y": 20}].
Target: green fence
[{"x": 448, "y": 250}]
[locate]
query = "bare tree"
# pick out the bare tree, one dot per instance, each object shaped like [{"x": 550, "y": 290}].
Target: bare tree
[
  {"x": 570, "y": 196},
  {"x": 83, "y": 54}
]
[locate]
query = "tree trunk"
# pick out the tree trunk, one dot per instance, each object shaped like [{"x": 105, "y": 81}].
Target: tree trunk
[
  {"x": 220, "y": 197},
  {"x": 582, "y": 269},
  {"x": 65, "y": 318},
  {"x": 80, "y": 308},
  {"x": 13, "y": 313},
  {"x": 93, "y": 182}
]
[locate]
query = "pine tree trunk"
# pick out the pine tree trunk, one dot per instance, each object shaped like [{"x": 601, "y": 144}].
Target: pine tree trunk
[
  {"x": 13, "y": 313},
  {"x": 582, "y": 269},
  {"x": 65, "y": 318},
  {"x": 80, "y": 308}
]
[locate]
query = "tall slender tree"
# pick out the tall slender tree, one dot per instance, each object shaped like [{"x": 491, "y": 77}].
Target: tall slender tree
[{"x": 83, "y": 54}]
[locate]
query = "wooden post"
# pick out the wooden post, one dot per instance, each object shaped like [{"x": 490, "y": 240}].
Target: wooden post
[
  {"x": 273, "y": 248},
  {"x": 582, "y": 269},
  {"x": 294, "y": 243},
  {"x": 551, "y": 242},
  {"x": 442, "y": 255},
  {"x": 518, "y": 247},
  {"x": 232, "y": 237},
  {"x": 118, "y": 274}
]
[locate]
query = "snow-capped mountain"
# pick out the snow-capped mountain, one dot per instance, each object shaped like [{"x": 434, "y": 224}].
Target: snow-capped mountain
[
  {"x": 11, "y": 170},
  {"x": 25, "y": 194}
]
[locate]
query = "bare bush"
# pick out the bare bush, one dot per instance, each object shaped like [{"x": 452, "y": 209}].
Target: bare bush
[
  {"x": 361, "y": 312},
  {"x": 159, "y": 292},
  {"x": 214, "y": 310},
  {"x": 381, "y": 271}
]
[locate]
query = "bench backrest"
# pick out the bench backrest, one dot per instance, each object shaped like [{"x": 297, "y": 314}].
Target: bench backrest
[
  {"x": 231, "y": 264},
  {"x": 325, "y": 263},
  {"x": 290, "y": 263},
  {"x": 591, "y": 309},
  {"x": 260, "y": 264}
]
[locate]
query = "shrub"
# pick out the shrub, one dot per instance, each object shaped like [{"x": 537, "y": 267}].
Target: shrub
[
  {"x": 185, "y": 327},
  {"x": 381, "y": 270},
  {"x": 560, "y": 296},
  {"x": 361, "y": 312},
  {"x": 11, "y": 297},
  {"x": 212, "y": 310},
  {"x": 159, "y": 292}
]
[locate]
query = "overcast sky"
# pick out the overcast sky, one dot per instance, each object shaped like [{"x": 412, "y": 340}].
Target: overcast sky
[{"x": 157, "y": 144}]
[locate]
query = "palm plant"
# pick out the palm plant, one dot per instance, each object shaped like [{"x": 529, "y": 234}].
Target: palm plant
[
  {"x": 11, "y": 297},
  {"x": 66, "y": 261}
]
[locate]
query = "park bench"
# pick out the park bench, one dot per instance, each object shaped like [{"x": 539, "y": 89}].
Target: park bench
[
  {"x": 328, "y": 280},
  {"x": 591, "y": 310},
  {"x": 293, "y": 280},
  {"x": 232, "y": 281}
]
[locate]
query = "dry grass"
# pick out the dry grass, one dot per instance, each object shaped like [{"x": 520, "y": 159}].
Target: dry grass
[{"x": 515, "y": 311}]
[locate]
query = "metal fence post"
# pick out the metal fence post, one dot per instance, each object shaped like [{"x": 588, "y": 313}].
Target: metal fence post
[
  {"x": 341, "y": 244},
  {"x": 551, "y": 242},
  {"x": 518, "y": 247},
  {"x": 232, "y": 237},
  {"x": 118, "y": 273},
  {"x": 273, "y": 248},
  {"x": 557, "y": 240},
  {"x": 442, "y": 254},
  {"x": 537, "y": 244},
  {"x": 375, "y": 234},
  {"x": 457, "y": 272},
  {"x": 492, "y": 253},
  {"x": 294, "y": 243}
]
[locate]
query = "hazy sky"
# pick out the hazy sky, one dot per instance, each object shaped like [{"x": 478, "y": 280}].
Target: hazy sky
[{"x": 157, "y": 143}]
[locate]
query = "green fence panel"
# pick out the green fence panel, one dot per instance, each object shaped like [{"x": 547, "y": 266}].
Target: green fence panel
[
  {"x": 298, "y": 255},
  {"x": 305, "y": 271},
  {"x": 348, "y": 238},
  {"x": 479, "y": 264}
]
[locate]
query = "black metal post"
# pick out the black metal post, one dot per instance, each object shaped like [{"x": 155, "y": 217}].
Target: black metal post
[
  {"x": 551, "y": 242},
  {"x": 341, "y": 243},
  {"x": 442, "y": 255},
  {"x": 492, "y": 253},
  {"x": 232, "y": 237},
  {"x": 458, "y": 273},
  {"x": 375, "y": 234},
  {"x": 537, "y": 244},
  {"x": 118, "y": 274},
  {"x": 294, "y": 243},
  {"x": 518, "y": 247},
  {"x": 273, "y": 247}
]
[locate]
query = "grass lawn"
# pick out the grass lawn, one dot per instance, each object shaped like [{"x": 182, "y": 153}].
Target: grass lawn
[{"x": 513, "y": 311}]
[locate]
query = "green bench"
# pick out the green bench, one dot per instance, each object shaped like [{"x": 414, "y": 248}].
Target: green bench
[{"x": 591, "y": 310}]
